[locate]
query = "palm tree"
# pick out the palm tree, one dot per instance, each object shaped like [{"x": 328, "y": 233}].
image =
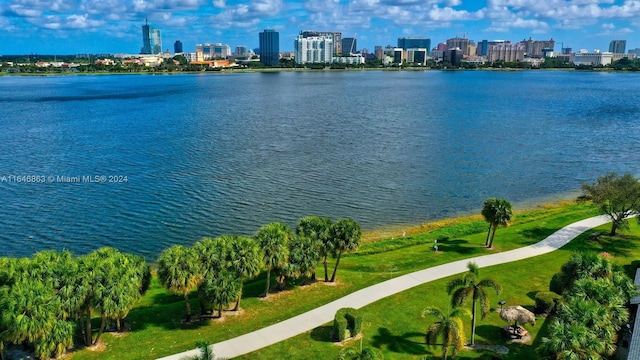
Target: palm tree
[
  {"x": 206, "y": 352},
  {"x": 304, "y": 254},
  {"x": 246, "y": 260},
  {"x": 318, "y": 229},
  {"x": 449, "y": 327},
  {"x": 570, "y": 341},
  {"x": 469, "y": 286},
  {"x": 273, "y": 239},
  {"x": 213, "y": 255},
  {"x": 221, "y": 289},
  {"x": 497, "y": 212},
  {"x": 346, "y": 235},
  {"x": 179, "y": 272}
]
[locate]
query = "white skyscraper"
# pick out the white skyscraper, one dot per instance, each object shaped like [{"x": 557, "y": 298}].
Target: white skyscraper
[{"x": 314, "y": 49}]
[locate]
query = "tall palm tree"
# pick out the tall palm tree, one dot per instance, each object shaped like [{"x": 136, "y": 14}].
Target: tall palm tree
[
  {"x": 497, "y": 212},
  {"x": 469, "y": 286},
  {"x": 246, "y": 260},
  {"x": 273, "y": 239},
  {"x": 222, "y": 289},
  {"x": 317, "y": 228},
  {"x": 179, "y": 272},
  {"x": 449, "y": 327},
  {"x": 346, "y": 235}
]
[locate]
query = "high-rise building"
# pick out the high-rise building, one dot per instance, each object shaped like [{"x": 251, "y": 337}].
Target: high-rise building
[
  {"x": 146, "y": 38},
  {"x": 177, "y": 47},
  {"x": 313, "y": 49},
  {"x": 241, "y": 51},
  {"x": 379, "y": 52},
  {"x": 336, "y": 38},
  {"x": 269, "y": 47},
  {"x": 461, "y": 43},
  {"x": 349, "y": 46},
  {"x": 507, "y": 52},
  {"x": 156, "y": 41},
  {"x": 413, "y": 43},
  {"x": 635, "y": 51},
  {"x": 617, "y": 46},
  {"x": 537, "y": 48}
]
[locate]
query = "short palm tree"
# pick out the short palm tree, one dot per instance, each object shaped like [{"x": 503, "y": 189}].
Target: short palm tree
[
  {"x": 497, "y": 212},
  {"x": 353, "y": 353},
  {"x": 449, "y": 327},
  {"x": 470, "y": 287},
  {"x": 179, "y": 272}
]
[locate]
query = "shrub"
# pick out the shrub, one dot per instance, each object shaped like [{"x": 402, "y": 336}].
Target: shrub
[
  {"x": 347, "y": 323},
  {"x": 547, "y": 302}
]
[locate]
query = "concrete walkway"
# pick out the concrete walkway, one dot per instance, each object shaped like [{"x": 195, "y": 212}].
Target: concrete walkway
[{"x": 310, "y": 320}]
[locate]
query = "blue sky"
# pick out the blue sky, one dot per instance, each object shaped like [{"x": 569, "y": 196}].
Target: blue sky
[{"x": 114, "y": 26}]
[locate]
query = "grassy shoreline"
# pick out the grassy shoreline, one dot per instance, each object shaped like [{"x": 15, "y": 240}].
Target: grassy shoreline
[{"x": 156, "y": 329}]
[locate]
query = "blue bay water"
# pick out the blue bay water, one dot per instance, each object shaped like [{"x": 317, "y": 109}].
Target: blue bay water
[{"x": 209, "y": 154}]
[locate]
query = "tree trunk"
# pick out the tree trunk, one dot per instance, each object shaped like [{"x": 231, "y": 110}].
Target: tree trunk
[
  {"x": 266, "y": 291},
  {"x": 486, "y": 242},
  {"x": 102, "y": 325},
  {"x": 220, "y": 311},
  {"x": 335, "y": 269},
  {"x": 445, "y": 350},
  {"x": 326, "y": 275},
  {"x": 614, "y": 227},
  {"x": 313, "y": 275},
  {"x": 493, "y": 235},
  {"x": 203, "y": 307},
  {"x": 235, "y": 308},
  {"x": 188, "y": 305},
  {"x": 473, "y": 322},
  {"x": 87, "y": 327},
  {"x": 118, "y": 324}
]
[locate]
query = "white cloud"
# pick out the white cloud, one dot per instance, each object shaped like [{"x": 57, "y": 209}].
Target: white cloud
[
  {"x": 247, "y": 15},
  {"x": 608, "y": 26},
  {"x": 220, "y": 4}
]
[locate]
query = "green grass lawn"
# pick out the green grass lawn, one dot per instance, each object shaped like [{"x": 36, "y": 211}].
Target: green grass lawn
[{"x": 393, "y": 324}]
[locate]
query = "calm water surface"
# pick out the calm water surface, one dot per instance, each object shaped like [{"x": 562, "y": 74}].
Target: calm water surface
[{"x": 210, "y": 154}]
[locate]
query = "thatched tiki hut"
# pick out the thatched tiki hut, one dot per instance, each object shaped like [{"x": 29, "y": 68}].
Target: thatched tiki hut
[{"x": 517, "y": 315}]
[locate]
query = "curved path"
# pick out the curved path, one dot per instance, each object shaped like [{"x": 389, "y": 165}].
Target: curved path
[{"x": 310, "y": 320}]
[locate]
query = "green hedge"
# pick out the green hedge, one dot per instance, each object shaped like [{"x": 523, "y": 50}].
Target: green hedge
[
  {"x": 347, "y": 323},
  {"x": 547, "y": 302}
]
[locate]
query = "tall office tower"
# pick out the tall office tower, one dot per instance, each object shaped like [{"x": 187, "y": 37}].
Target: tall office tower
[
  {"x": 241, "y": 51},
  {"x": 336, "y": 38},
  {"x": 461, "y": 43},
  {"x": 349, "y": 46},
  {"x": 146, "y": 39},
  {"x": 379, "y": 51},
  {"x": 270, "y": 47},
  {"x": 156, "y": 41},
  {"x": 617, "y": 46},
  {"x": 177, "y": 47},
  {"x": 414, "y": 43},
  {"x": 313, "y": 49}
]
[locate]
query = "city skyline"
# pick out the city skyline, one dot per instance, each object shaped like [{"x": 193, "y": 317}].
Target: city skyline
[{"x": 113, "y": 26}]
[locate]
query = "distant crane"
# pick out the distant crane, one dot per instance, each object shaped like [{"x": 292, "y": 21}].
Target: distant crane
[{"x": 353, "y": 43}]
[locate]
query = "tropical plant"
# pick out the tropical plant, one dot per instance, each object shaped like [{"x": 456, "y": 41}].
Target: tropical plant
[
  {"x": 318, "y": 229},
  {"x": 206, "y": 352},
  {"x": 448, "y": 327},
  {"x": 361, "y": 353},
  {"x": 213, "y": 255},
  {"x": 304, "y": 254},
  {"x": 246, "y": 260},
  {"x": 471, "y": 287},
  {"x": 346, "y": 235},
  {"x": 616, "y": 196},
  {"x": 497, "y": 212},
  {"x": 180, "y": 272},
  {"x": 273, "y": 240},
  {"x": 581, "y": 265},
  {"x": 222, "y": 289},
  {"x": 570, "y": 341}
]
